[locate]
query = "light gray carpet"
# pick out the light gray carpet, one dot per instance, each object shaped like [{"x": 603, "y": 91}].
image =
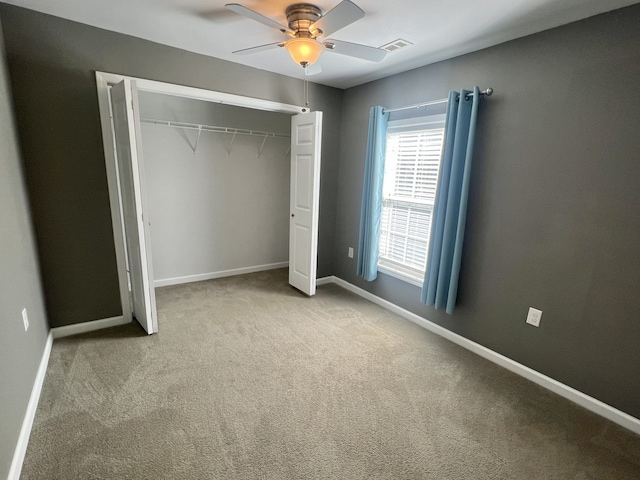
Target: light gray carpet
[{"x": 248, "y": 379}]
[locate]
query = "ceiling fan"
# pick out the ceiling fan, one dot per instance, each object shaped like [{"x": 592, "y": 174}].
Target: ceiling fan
[{"x": 309, "y": 29}]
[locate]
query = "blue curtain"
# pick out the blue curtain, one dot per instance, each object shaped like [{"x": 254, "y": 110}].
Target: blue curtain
[
  {"x": 440, "y": 286},
  {"x": 372, "y": 195}
]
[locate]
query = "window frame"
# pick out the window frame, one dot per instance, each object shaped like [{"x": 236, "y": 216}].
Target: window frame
[{"x": 410, "y": 125}]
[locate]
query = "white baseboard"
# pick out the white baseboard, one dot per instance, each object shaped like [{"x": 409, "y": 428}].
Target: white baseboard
[
  {"x": 30, "y": 414},
  {"x": 68, "y": 330},
  {"x": 590, "y": 403},
  {"x": 224, "y": 273}
]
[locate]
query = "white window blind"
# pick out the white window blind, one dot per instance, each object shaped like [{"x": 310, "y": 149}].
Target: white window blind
[{"x": 412, "y": 164}]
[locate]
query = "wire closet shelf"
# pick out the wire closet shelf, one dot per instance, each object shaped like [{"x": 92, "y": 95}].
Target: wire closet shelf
[{"x": 217, "y": 129}]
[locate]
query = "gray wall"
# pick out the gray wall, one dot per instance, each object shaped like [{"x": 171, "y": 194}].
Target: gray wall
[
  {"x": 553, "y": 220},
  {"x": 52, "y": 63},
  {"x": 20, "y": 351},
  {"x": 213, "y": 211},
  {"x": 554, "y": 209}
]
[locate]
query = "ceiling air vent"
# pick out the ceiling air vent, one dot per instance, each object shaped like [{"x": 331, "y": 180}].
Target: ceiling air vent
[{"x": 396, "y": 45}]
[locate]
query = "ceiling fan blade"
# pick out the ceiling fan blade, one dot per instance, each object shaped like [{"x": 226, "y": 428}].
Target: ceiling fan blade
[
  {"x": 260, "y": 48},
  {"x": 355, "y": 50},
  {"x": 338, "y": 17},
  {"x": 247, "y": 12},
  {"x": 313, "y": 69}
]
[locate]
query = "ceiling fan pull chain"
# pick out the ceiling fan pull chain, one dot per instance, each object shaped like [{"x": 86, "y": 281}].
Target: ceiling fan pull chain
[{"x": 306, "y": 87}]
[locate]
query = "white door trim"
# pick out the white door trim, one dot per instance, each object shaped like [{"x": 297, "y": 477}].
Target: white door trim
[{"x": 103, "y": 82}]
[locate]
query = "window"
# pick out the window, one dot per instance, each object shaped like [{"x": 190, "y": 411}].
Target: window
[{"x": 412, "y": 163}]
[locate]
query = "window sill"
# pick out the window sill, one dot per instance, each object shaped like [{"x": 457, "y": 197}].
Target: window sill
[{"x": 400, "y": 276}]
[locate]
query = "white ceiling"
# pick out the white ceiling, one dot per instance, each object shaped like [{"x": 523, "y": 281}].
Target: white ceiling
[{"x": 439, "y": 29}]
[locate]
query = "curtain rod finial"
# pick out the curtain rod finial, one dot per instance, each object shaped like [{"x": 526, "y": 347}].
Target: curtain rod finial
[{"x": 488, "y": 92}]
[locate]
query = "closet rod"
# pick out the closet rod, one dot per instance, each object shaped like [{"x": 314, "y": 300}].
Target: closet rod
[{"x": 209, "y": 128}]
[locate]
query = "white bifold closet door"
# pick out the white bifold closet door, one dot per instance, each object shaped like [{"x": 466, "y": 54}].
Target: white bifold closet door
[
  {"x": 130, "y": 162},
  {"x": 306, "y": 137}
]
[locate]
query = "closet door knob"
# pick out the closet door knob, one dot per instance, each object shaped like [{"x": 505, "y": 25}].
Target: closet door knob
[{"x": 293, "y": 215}]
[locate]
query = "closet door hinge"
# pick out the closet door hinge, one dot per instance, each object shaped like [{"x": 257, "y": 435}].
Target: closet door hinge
[{"x": 131, "y": 308}]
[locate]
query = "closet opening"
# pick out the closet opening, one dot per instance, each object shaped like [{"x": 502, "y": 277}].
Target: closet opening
[{"x": 204, "y": 185}]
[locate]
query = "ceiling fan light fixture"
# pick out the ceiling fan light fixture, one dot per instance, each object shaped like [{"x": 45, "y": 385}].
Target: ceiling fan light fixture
[{"x": 304, "y": 51}]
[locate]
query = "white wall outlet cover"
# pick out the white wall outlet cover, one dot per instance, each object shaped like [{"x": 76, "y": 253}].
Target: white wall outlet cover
[
  {"x": 534, "y": 316},
  {"x": 350, "y": 252}
]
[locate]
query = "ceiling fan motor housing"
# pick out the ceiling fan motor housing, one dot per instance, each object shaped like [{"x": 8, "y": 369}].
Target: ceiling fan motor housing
[{"x": 301, "y": 16}]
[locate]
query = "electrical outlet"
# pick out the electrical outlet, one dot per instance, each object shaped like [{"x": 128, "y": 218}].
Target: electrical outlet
[
  {"x": 350, "y": 252},
  {"x": 25, "y": 319},
  {"x": 534, "y": 316}
]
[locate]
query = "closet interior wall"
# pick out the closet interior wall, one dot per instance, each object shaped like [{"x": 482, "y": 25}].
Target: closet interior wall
[{"x": 218, "y": 203}]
